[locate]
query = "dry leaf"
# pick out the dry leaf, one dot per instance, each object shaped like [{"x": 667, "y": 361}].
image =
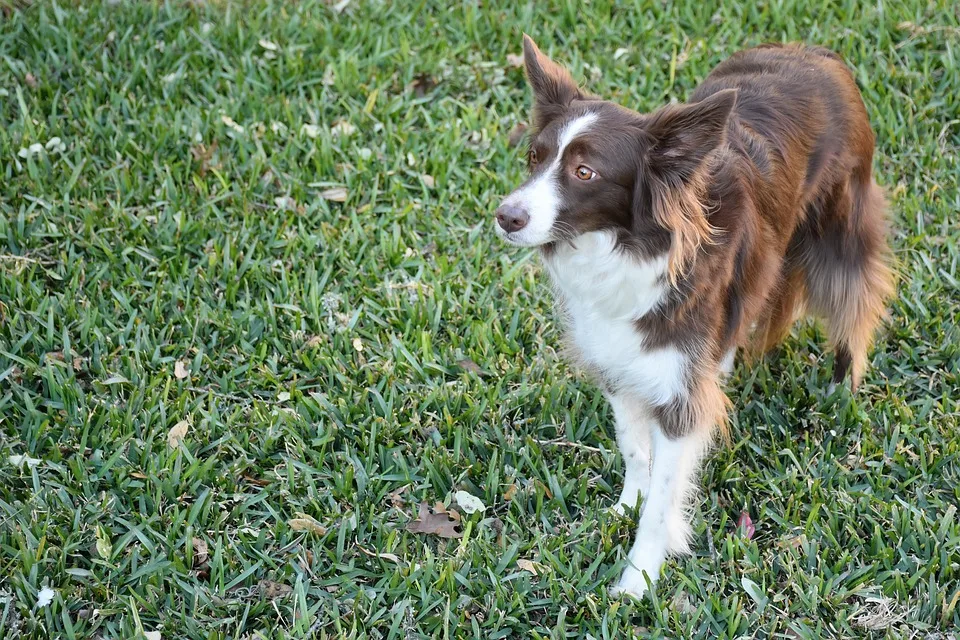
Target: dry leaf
[
  {"x": 306, "y": 523},
  {"x": 342, "y": 128},
  {"x": 428, "y": 180},
  {"x": 358, "y": 345},
  {"x": 177, "y": 433},
  {"x": 336, "y": 194},
  {"x": 423, "y": 84},
  {"x": 469, "y": 502},
  {"x": 745, "y": 523},
  {"x": 469, "y": 365},
  {"x": 273, "y": 590},
  {"x": 31, "y": 80},
  {"x": 396, "y": 498},
  {"x": 510, "y": 492},
  {"x": 516, "y": 135},
  {"x": 314, "y": 341},
  {"x": 52, "y": 356},
  {"x": 384, "y": 556},
  {"x": 527, "y": 565},
  {"x": 515, "y": 60},
  {"x": 180, "y": 370},
  {"x": 201, "y": 552},
  {"x": 439, "y": 524}
]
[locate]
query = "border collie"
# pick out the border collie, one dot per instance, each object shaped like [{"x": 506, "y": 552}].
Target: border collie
[{"x": 675, "y": 238}]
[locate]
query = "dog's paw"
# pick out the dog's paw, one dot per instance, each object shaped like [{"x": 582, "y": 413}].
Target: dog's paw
[{"x": 632, "y": 584}]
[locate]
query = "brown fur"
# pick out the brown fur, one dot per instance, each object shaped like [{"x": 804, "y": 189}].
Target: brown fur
[{"x": 761, "y": 191}]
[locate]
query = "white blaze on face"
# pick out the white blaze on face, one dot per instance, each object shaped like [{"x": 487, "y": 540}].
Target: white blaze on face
[{"x": 540, "y": 197}]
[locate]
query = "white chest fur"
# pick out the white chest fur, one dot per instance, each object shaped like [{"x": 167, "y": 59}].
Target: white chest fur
[{"x": 604, "y": 292}]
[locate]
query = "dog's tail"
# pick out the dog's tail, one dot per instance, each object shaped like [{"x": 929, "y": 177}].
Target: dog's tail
[{"x": 846, "y": 266}]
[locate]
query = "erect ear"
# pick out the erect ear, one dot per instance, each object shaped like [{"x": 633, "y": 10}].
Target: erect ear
[
  {"x": 552, "y": 84},
  {"x": 681, "y": 139},
  {"x": 684, "y": 136}
]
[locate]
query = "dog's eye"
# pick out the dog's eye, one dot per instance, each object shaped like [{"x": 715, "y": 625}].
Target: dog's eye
[{"x": 585, "y": 173}]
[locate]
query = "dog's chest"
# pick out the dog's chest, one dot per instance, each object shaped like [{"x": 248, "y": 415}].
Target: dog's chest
[{"x": 604, "y": 292}]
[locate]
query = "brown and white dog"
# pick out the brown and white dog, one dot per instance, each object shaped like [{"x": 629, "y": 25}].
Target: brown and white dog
[{"x": 676, "y": 237}]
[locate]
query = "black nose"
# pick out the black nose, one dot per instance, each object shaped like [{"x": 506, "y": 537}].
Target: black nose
[{"x": 512, "y": 218}]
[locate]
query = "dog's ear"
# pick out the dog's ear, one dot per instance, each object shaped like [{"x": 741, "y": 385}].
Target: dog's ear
[
  {"x": 682, "y": 137},
  {"x": 553, "y": 87},
  {"x": 680, "y": 142}
]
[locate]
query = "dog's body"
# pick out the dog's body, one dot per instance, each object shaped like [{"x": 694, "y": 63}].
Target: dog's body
[{"x": 677, "y": 237}]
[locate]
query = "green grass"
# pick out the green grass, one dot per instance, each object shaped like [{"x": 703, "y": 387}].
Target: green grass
[{"x": 324, "y": 342}]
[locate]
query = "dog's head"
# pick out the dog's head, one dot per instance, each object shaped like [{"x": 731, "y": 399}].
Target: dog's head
[{"x": 595, "y": 165}]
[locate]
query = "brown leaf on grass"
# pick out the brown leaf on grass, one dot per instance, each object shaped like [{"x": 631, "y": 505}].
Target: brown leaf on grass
[
  {"x": 260, "y": 482},
  {"x": 53, "y": 356},
  {"x": 177, "y": 433},
  {"x": 516, "y": 135},
  {"x": 335, "y": 194},
  {"x": 306, "y": 523},
  {"x": 423, "y": 84},
  {"x": 314, "y": 342},
  {"x": 440, "y": 523},
  {"x": 514, "y": 60},
  {"x": 31, "y": 80},
  {"x": 469, "y": 365},
  {"x": 180, "y": 370},
  {"x": 396, "y": 498},
  {"x": 273, "y": 590},
  {"x": 201, "y": 552},
  {"x": 203, "y": 154},
  {"x": 510, "y": 492}
]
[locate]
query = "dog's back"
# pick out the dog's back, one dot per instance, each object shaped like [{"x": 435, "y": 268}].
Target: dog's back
[{"x": 806, "y": 145}]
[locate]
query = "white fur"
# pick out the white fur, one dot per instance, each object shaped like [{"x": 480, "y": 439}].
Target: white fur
[
  {"x": 605, "y": 291},
  {"x": 634, "y": 427},
  {"x": 664, "y": 524},
  {"x": 726, "y": 365},
  {"x": 541, "y": 196}
]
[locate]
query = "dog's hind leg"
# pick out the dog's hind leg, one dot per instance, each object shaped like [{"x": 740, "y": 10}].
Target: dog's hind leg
[{"x": 846, "y": 262}]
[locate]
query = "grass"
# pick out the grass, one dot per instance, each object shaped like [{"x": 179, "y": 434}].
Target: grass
[{"x": 344, "y": 361}]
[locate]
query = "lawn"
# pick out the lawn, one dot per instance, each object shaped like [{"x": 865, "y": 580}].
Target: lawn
[{"x": 252, "y": 314}]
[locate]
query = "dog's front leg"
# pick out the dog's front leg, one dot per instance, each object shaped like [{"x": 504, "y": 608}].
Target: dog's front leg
[
  {"x": 664, "y": 527},
  {"x": 633, "y": 426}
]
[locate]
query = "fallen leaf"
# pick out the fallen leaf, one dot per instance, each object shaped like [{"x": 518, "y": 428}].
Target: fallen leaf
[
  {"x": 45, "y": 597},
  {"x": 516, "y": 135},
  {"x": 177, "y": 433},
  {"x": 469, "y": 502},
  {"x": 285, "y": 203},
  {"x": 180, "y": 370},
  {"x": 514, "y": 60},
  {"x": 510, "y": 492},
  {"x": 18, "y": 461},
  {"x": 269, "y": 46},
  {"x": 423, "y": 84},
  {"x": 152, "y": 635},
  {"x": 342, "y": 128},
  {"x": 745, "y": 523},
  {"x": 54, "y": 356},
  {"x": 336, "y": 194},
  {"x": 314, "y": 341},
  {"x": 385, "y": 556},
  {"x": 306, "y": 523},
  {"x": 527, "y": 565},
  {"x": 273, "y": 590},
  {"x": 439, "y": 524},
  {"x": 469, "y": 365},
  {"x": 310, "y": 130},
  {"x": 31, "y": 80},
  {"x": 201, "y": 552},
  {"x": 428, "y": 180},
  {"x": 358, "y": 345},
  {"x": 396, "y": 498}
]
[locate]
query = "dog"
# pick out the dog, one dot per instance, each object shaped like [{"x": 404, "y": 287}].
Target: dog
[{"x": 677, "y": 237}]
